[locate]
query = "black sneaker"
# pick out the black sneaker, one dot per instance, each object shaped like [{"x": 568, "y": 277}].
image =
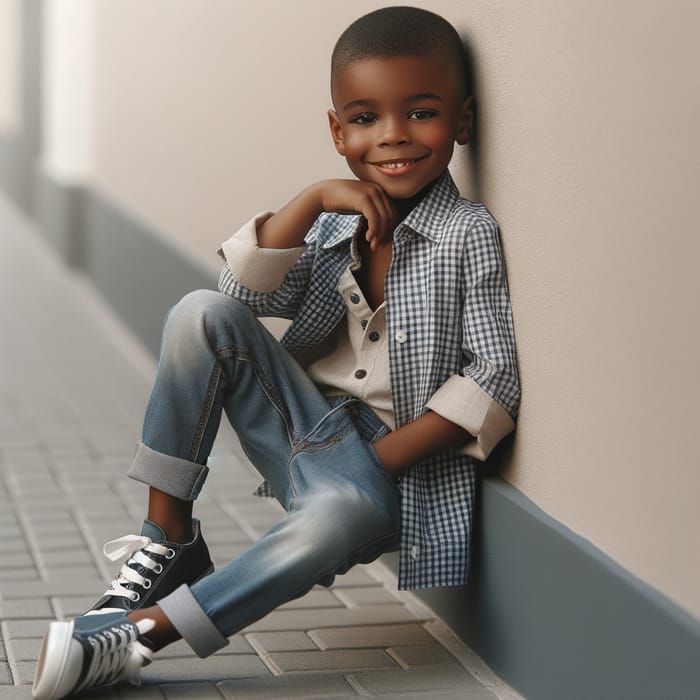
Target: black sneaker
[
  {"x": 154, "y": 568},
  {"x": 90, "y": 651}
]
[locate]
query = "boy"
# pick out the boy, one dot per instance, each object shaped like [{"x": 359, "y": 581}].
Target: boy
[{"x": 397, "y": 370}]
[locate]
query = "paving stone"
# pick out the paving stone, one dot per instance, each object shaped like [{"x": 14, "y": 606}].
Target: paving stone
[
  {"x": 401, "y": 681},
  {"x": 25, "y": 649},
  {"x": 55, "y": 587},
  {"x": 369, "y": 595},
  {"x": 192, "y": 691},
  {"x": 384, "y": 636},
  {"x": 331, "y": 617},
  {"x": 214, "y": 668},
  {"x": 66, "y": 557},
  {"x": 443, "y": 694},
  {"x": 307, "y": 686},
  {"x": 144, "y": 692},
  {"x": 58, "y": 527},
  {"x": 340, "y": 660},
  {"x": 25, "y": 574},
  {"x": 357, "y": 576},
  {"x": 315, "y": 598},
  {"x": 72, "y": 606},
  {"x": 180, "y": 649},
  {"x": 11, "y": 545},
  {"x": 22, "y": 629},
  {"x": 17, "y": 560},
  {"x": 267, "y": 642},
  {"x": 422, "y": 655},
  {"x": 61, "y": 543},
  {"x": 78, "y": 570},
  {"x": 23, "y": 608},
  {"x": 5, "y": 675},
  {"x": 25, "y": 671}
]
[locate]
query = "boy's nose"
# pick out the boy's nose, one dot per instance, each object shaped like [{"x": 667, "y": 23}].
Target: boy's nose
[{"x": 394, "y": 132}]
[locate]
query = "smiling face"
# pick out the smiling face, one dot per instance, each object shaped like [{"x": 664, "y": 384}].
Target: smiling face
[{"x": 397, "y": 119}]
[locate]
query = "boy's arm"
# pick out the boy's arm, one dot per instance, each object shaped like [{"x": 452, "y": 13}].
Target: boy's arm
[
  {"x": 412, "y": 443},
  {"x": 288, "y": 227}
]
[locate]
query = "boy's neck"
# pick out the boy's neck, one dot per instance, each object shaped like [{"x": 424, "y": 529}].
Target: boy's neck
[{"x": 405, "y": 206}]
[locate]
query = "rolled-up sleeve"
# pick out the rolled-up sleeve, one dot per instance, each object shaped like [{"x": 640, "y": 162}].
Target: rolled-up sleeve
[
  {"x": 484, "y": 397},
  {"x": 463, "y": 402},
  {"x": 259, "y": 269}
]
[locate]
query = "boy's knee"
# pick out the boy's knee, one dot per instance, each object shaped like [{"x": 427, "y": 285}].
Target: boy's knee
[
  {"x": 203, "y": 309},
  {"x": 353, "y": 520}
]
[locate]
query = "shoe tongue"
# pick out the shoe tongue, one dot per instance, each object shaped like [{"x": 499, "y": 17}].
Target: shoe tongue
[{"x": 153, "y": 531}]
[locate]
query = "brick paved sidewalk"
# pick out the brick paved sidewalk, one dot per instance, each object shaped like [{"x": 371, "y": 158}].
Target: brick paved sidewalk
[{"x": 73, "y": 385}]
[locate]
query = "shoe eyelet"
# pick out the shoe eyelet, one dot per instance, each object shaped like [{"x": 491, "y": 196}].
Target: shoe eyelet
[
  {"x": 170, "y": 554},
  {"x": 158, "y": 569},
  {"x": 135, "y": 597},
  {"x": 147, "y": 581}
]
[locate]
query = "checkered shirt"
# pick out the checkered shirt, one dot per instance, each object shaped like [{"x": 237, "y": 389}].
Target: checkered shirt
[{"x": 449, "y": 311}]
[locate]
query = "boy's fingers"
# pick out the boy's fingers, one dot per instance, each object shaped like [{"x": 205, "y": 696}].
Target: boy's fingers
[
  {"x": 384, "y": 215},
  {"x": 374, "y": 220}
]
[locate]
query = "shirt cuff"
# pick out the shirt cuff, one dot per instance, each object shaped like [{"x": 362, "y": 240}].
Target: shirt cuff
[
  {"x": 462, "y": 401},
  {"x": 258, "y": 269}
]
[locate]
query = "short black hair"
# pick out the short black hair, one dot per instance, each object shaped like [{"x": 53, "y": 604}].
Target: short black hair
[{"x": 401, "y": 31}]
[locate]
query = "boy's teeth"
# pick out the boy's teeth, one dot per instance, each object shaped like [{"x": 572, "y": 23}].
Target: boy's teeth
[{"x": 398, "y": 165}]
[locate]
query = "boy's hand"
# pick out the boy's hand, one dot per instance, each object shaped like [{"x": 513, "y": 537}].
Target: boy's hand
[
  {"x": 288, "y": 227},
  {"x": 358, "y": 197}
]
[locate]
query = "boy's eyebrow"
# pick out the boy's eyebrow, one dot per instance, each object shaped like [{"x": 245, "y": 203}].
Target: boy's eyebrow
[{"x": 413, "y": 98}]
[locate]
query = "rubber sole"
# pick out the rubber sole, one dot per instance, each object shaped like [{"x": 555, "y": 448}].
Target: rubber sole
[{"x": 55, "y": 676}]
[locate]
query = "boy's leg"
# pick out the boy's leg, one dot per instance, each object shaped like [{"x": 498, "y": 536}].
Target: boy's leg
[
  {"x": 344, "y": 510},
  {"x": 214, "y": 354},
  {"x": 343, "y": 506}
]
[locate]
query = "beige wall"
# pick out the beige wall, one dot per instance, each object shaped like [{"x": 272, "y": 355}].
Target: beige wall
[
  {"x": 68, "y": 75},
  {"x": 10, "y": 75},
  {"x": 205, "y": 113}
]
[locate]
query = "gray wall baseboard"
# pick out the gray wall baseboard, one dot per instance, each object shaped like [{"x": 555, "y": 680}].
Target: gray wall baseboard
[
  {"x": 16, "y": 171},
  {"x": 139, "y": 272},
  {"x": 550, "y": 613},
  {"x": 558, "y": 619}
]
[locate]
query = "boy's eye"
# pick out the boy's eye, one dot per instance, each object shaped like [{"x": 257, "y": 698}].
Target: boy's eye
[
  {"x": 422, "y": 114},
  {"x": 363, "y": 119}
]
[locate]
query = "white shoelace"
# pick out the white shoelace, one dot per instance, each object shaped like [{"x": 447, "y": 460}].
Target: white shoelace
[
  {"x": 117, "y": 654},
  {"x": 135, "y": 549}
]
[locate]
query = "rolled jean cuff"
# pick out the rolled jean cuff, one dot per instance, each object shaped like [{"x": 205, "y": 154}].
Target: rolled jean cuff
[
  {"x": 175, "y": 476},
  {"x": 190, "y": 620}
]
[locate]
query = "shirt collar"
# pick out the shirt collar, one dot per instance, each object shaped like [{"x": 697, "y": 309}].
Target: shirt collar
[{"x": 426, "y": 219}]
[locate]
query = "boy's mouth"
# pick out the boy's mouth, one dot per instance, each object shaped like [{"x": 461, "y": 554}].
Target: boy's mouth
[{"x": 396, "y": 166}]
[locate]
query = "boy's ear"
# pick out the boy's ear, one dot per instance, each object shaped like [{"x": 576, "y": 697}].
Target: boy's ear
[
  {"x": 336, "y": 131},
  {"x": 465, "y": 122}
]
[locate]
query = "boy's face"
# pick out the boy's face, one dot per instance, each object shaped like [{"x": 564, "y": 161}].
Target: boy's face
[{"x": 397, "y": 119}]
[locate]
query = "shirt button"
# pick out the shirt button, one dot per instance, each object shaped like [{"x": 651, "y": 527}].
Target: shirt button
[
  {"x": 415, "y": 551},
  {"x": 374, "y": 336},
  {"x": 354, "y": 298},
  {"x": 361, "y": 373},
  {"x": 401, "y": 336},
  {"x": 364, "y": 323}
]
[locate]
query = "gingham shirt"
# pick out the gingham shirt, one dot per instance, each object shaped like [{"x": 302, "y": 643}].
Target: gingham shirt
[{"x": 449, "y": 317}]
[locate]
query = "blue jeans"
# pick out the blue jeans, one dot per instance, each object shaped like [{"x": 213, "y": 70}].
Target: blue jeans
[{"x": 316, "y": 454}]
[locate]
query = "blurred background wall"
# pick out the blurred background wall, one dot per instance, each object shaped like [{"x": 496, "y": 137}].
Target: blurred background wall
[{"x": 187, "y": 117}]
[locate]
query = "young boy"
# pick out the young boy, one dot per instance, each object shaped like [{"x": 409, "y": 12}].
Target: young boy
[{"x": 397, "y": 371}]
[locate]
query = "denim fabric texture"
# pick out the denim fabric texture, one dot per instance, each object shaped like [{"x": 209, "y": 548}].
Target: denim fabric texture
[{"x": 342, "y": 506}]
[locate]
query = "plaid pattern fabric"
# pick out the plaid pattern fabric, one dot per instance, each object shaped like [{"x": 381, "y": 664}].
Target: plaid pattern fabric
[{"x": 448, "y": 312}]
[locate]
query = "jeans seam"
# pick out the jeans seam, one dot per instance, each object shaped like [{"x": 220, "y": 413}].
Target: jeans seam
[
  {"x": 205, "y": 413},
  {"x": 231, "y": 351}
]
